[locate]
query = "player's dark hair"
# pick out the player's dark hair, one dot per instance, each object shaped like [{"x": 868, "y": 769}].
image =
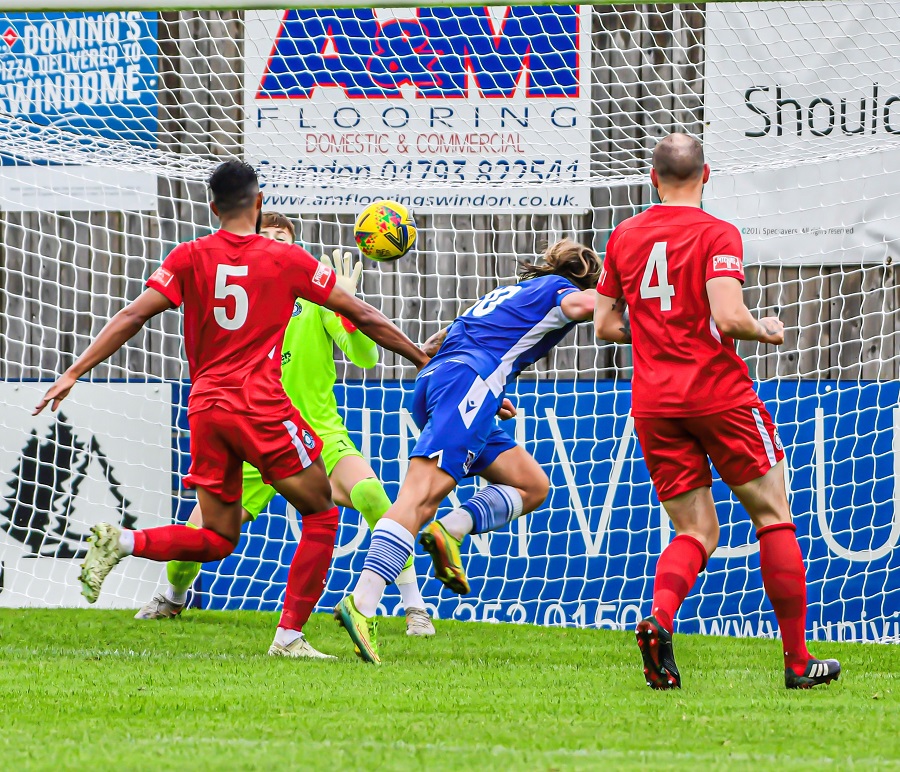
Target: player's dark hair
[
  {"x": 278, "y": 220},
  {"x": 234, "y": 186},
  {"x": 678, "y": 158},
  {"x": 576, "y": 262}
]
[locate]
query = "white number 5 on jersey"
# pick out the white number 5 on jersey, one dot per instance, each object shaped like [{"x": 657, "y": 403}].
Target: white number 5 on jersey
[
  {"x": 225, "y": 290},
  {"x": 659, "y": 265}
]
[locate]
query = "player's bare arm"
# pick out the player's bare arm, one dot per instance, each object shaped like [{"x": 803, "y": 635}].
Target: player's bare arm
[
  {"x": 117, "y": 331},
  {"x": 579, "y": 306},
  {"x": 375, "y": 325},
  {"x": 611, "y": 319},
  {"x": 431, "y": 346},
  {"x": 733, "y": 318}
]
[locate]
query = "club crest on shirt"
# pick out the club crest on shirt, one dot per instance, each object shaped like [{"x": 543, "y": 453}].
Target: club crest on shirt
[
  {"x": 727, "y": 263},
  {"x": 297, "y": 308},
  {"x": 308, "y": 440}
]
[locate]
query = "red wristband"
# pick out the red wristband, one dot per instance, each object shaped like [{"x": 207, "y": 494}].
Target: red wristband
[{"x": 348, "y": 325}]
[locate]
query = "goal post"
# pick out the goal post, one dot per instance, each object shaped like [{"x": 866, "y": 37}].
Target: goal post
[{"x": 503, "y": 128}]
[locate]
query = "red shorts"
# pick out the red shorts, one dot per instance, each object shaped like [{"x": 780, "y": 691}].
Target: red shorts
[
  {"x": 221, "y": 440},
  {"x": 742, "y": 443}
]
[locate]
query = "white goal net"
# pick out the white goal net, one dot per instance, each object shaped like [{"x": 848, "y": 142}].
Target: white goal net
[{"x": 503, "y": 129}]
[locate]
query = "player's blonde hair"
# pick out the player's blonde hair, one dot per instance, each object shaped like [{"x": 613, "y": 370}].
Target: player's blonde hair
[
  {"x": 278, "y": 220},
  {"x": 576, "y": 262}
]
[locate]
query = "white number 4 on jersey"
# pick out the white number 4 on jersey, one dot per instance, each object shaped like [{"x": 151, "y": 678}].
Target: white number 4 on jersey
[{"x": 659, "y": 265}]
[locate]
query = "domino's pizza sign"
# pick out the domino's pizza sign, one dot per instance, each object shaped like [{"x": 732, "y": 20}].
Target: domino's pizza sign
[
  {"x": 445, "y": 109},
  {"x": 88, "y": 75}
]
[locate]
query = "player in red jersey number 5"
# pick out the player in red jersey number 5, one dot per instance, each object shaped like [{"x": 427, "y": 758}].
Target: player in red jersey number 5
[
  {"x": 679, "y": 271},
  {"x": 238, "y": 291}
]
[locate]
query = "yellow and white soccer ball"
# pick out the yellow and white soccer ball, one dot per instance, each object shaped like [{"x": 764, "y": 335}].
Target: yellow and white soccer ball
[{"x": 385, "y": 231}]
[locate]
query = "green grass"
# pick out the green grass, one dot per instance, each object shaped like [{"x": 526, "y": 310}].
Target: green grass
[{"x": 98, "y": 690}]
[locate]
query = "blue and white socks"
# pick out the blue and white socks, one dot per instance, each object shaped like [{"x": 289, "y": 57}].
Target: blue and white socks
[
  {"x": 391, "y": 546},
  {"x": 489, "y": 509}
]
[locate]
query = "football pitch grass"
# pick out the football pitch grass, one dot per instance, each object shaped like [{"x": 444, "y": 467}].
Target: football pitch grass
[{"x": 98, "y": 690}]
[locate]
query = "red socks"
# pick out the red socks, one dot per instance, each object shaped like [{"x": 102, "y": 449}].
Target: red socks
[
  {"x": 784, "y": 578},
  {"x": 306, "y": 578},
  {"x": 677, "y": 570},
  {"x": 178, "y": 542}
]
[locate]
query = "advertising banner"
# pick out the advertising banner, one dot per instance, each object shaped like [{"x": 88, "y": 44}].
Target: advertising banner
[
  {"x": 91, "y": 74},
  {"x": 106, "y": 456},
  {"x": 587, "y": 556},
  {"x": 796, "y": 82},
  {"x": 485, "y": 106}
]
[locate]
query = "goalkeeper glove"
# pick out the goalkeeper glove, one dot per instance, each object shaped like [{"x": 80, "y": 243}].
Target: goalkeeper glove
[
  {"x": 346, "y": 277},
  {"x": 346, "y": 274}
]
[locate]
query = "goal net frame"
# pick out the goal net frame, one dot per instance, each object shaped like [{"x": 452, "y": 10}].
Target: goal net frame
[{"x": 808, "y": 191}]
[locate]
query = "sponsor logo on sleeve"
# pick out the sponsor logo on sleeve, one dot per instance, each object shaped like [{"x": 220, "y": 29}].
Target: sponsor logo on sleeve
[
  {"x": 162, "y": 276},
  {"x": 321, "y": 276},
  {"x": 727, "y": 263},
  {"x": 602, "y": 277}
]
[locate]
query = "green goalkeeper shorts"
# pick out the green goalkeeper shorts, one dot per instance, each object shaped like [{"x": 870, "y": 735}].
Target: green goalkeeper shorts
[{"x": 257, "y": 495}]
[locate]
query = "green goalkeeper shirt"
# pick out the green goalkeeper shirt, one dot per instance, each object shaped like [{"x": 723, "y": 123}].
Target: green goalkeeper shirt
[{"x": 307, "y": 362}]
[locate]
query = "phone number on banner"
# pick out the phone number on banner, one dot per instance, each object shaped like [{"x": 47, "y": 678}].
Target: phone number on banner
[
  {"x": 500, "y": 170},
  {"x": 464, "y": 170}
]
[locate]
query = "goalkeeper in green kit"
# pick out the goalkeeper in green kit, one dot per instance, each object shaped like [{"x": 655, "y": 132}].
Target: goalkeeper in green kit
[{"x": 308, "y": 344}]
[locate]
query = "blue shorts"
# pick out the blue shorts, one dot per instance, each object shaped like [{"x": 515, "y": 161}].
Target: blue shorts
[{"x": 456, "y": 412}]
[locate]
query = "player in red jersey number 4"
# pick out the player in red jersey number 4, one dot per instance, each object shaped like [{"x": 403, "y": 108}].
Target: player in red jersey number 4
[
  {"x": 679, "y": 272},
  {"x": 238, "y": 291}
]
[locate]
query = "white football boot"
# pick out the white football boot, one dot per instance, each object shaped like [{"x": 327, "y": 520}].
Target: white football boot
[
  {"x": 102, "y": 557},
  {"x": 160, "y": 607},
  {"x": 298, "y": 649},
  {"x": 418, "y": 623}
]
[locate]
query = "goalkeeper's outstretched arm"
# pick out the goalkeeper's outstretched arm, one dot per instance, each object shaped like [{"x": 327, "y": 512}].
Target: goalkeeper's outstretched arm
[
  {"x": 375, "y": 325},
  {"x": 115, "y": 334},
  {"x": 359, "y": 349}
]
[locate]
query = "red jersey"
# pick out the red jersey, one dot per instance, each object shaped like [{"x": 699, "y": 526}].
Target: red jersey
[
  {"x": 660, "y": 261},
  {"x": 238, "y": 294}
]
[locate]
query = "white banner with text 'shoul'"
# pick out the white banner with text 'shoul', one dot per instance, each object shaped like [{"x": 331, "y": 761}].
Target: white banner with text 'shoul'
[{"x": 790, "y": 83}]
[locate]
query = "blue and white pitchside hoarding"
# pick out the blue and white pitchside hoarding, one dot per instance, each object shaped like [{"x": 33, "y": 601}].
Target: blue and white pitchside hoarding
[
  {"x": 587, "y": 557},
  {"x": 477, "y": 95},
  {"x": 89, "y": 74}
]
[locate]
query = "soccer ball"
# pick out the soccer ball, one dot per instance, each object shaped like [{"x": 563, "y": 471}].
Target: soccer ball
[{"x": 385, "y": 231}]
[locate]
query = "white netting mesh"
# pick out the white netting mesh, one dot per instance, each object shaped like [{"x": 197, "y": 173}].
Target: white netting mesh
[{"x": 522, "y": 125}]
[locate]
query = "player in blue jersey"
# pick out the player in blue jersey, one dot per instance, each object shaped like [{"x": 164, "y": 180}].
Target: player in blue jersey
[{"x": 457, "y": 396}]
